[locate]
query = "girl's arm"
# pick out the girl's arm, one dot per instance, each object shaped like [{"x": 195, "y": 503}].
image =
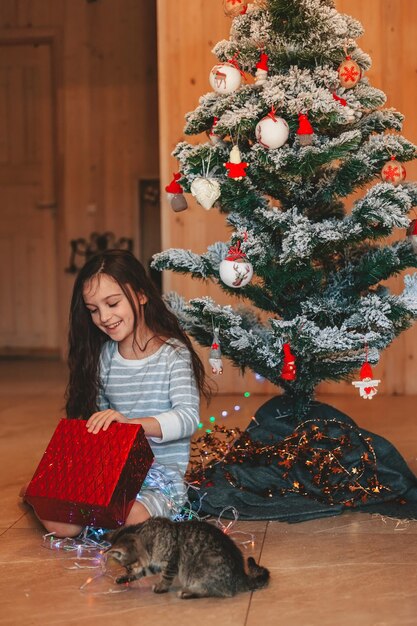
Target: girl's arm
[
  {"x": 103, "y": 419},
  {"x": 183, "y": 418}
]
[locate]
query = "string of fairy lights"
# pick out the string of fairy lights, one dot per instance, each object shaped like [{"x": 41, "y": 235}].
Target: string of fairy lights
[{"x": 229, "y": 412}]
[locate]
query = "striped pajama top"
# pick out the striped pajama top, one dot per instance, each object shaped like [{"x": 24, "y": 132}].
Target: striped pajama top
[{"x": 161, "y": 386}]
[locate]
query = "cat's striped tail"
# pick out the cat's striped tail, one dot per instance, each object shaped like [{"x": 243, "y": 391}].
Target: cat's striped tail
[{"x": 258, "y": 576}]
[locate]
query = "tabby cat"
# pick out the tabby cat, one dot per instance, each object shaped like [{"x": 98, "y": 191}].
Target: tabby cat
[{"x": 206, "y": 561}]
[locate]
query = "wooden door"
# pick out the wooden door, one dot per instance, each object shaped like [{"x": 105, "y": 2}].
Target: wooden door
[{"x": 28, "y": 299}]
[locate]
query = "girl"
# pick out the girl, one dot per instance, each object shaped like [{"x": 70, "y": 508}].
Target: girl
[{"x": 130, "y": 361}]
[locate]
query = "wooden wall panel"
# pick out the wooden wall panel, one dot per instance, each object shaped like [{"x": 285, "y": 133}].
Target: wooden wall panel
[
  {"x": 187, "y": 30},
  {"x": 106, "y": 112}
]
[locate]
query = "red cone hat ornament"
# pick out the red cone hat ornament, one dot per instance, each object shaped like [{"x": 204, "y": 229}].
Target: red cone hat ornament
[
  {"x": 305, "y": 130},
  {"x": 289, "y": 370},
  {"x": 174, "y": 187},
  {"x": 215, "y": 356},
  {"x": 235, "y": 7},
  {"x": 214, "y": 139},
  {"x": 175, "y": 194},
  {"x": 225, "y": 78},
  {"x": 367, "y": 385},
  {"x": 235, "y": 270},
  {"x": 412, "y": 234},
  {"x": 349, "y": 73},
  {"x": 340, "y": 100},
  {"x": 262, "y": 69},
  {"x": 349, "y": 113},
  {"x": 272, "y": 132},
  {"x": 235, "y": 167},
  {"x": 393, "y": 172}
]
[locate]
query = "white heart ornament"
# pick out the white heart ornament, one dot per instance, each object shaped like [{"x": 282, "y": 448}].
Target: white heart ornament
[{"x": 205, "y": 191}]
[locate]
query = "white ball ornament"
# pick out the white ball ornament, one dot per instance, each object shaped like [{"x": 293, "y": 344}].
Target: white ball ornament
[
  {"x": 235, "y": 270},
  {"x": 236, "y": 273},
  {"x": 272, "y": 132},
  {"x": 225, "y": 78},
  {"x": 205, "y": 190}
]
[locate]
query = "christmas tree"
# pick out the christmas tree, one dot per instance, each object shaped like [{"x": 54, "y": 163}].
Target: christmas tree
[{"x": 294, "y": 128}]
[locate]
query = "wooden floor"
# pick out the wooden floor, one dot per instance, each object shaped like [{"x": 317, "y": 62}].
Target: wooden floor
[{"x": 354, "y": 569}]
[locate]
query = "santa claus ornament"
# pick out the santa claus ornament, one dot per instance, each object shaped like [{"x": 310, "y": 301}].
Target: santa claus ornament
[
  {"x": 393, "y": 172},
  {"x": 289, "y": 370},
  {"x": 305, "y": 130},
  {"x": 262, "y": 69},
  {"x": 271, "y": 131},
  {"x": 225, "y": 78},
  {"x": 235, "y": 7},
  {"x": 367, "y": 385},
  {"x": 349, "y": 73},
  {"x": 235, "y": 270},
  {"x": 175, "y": 194},
  {"x": 412, "y": 235},
  {"x": 215, "y": 357},
  {"x": 235, "y": 167}
]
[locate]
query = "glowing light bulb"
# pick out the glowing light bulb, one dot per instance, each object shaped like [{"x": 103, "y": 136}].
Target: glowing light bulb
[
  {"x": 200, "y": 425},
  {"x": 236, "y": 407},
  {"x": 225, "y": 413},
  {"x": 212, "y": 418},
  {"x": 246, "y": 394}
]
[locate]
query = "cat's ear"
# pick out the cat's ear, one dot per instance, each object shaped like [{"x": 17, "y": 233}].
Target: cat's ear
[
  {"x": 116, "y": 554},
  {"x": 110, "y": 535}
]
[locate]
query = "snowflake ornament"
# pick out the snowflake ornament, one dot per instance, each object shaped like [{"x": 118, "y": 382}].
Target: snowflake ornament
[
  {"x": 393, "y": 172},
  {"x": 349, "y": 73}
]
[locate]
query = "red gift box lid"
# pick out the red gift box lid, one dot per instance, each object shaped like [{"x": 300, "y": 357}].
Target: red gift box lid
[{"x": 78, "y": 466}]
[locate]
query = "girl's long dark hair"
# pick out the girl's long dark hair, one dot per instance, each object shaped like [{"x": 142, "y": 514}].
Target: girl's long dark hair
[{"x": 86, "y": 340}]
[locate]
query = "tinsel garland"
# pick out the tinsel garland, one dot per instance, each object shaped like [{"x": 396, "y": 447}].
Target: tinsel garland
[{"x": 328, "y": 460}]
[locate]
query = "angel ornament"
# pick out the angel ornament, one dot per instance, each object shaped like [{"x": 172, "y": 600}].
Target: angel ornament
[{"x": 215, "y": 358}]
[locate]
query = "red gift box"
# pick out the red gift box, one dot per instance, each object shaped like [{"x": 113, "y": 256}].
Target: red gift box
[{"x": 90, "y": 479}]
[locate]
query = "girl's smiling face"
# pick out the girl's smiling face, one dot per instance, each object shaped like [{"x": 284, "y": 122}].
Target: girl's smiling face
[{"x": 110, "y": 309}]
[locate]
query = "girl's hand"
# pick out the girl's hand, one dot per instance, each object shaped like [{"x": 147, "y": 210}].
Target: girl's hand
[{"x": 103, "y": 419}]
